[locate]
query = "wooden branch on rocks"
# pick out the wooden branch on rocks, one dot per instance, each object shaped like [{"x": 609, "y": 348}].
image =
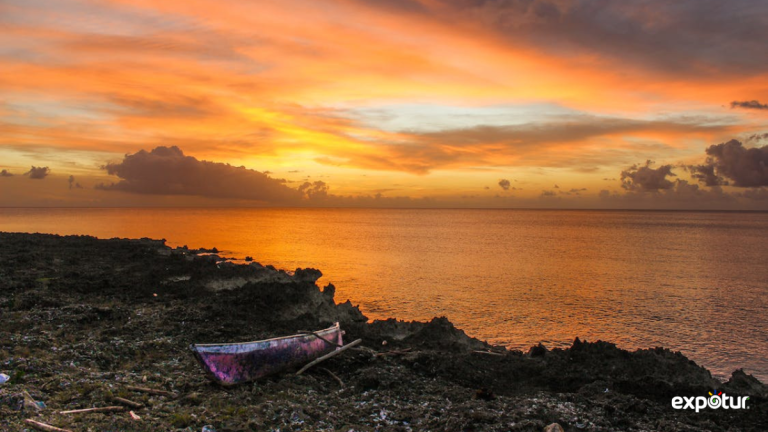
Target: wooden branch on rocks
[
  {"x": 341, "y": 383},
  {"x": 44, "y": 427},
  {"x": 329, "y": 355},
  {"x": 94, "y": 410},
  {"x": 130, "y": 403},
  {"x": 329, "y": 342},
  {"x": 488, "y": 352},
  {"x": 151, "y": 391}
]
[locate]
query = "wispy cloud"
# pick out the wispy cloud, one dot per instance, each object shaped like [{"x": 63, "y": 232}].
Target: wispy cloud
[{"x": 753, "y": 104}]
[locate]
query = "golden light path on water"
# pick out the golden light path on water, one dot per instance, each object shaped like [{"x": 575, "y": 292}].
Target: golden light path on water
[{"x": 690, "y": 281}]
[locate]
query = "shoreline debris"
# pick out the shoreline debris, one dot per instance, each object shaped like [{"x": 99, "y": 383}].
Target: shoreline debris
[
  {"x": 44, "y": 427},
  {"x": 152, "y": 391},
  {"x": 130, "y": 403},
  {"x": 94, "y": 410}
]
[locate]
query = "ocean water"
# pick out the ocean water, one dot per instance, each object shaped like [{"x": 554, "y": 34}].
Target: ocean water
[{"x": 690, "y": 281}]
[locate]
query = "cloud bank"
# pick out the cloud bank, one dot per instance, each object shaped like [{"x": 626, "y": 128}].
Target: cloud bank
[
  {"x": 646, "y": 179},
  {"x": 167, "y": 171},
  {"x": 731, "y": 163}
]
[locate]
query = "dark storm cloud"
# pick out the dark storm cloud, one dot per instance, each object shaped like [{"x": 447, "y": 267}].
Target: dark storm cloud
[
  {"x": 695, "y": 36},
  {"x": 732, "y": 163},
  {"x": 6, "y": 173},
  {"x": 753, "y": 104},
  {"x": 727, "y": 164},
  {"x": 705, "y": 174},
  {"x": 643, "y": 178},
  {"x": 38, "y": 172},
  {"x": 504, "y": 184},
  {"x": 167, "y": 171}
]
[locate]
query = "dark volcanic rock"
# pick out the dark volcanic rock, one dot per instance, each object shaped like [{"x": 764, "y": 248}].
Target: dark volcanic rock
[
  {"x": 742, "y": 383},
  {"x": 436, "y": 334},
  {"x": 308, "y": 275},
  {"x": 538, "y": 350}
]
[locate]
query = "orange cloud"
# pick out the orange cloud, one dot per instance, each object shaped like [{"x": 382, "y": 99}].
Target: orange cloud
[{"x": 282, "y": 83}]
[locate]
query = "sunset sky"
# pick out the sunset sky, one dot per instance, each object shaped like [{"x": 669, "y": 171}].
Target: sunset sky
[{"x": 393, "y": 103}]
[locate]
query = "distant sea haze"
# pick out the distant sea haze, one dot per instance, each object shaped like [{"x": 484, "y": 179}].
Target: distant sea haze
[{"x": 690, "y": 281}]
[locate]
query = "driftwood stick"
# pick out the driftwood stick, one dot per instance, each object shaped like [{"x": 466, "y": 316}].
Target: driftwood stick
[
  {"x": 329, "y": 342},
  {"x": 134, "y": 416},
  {"x": 341, "y": 383},
  {"x": 94, "y": 410},
  {"x": 130, "y": 403},
  {"x": 45, "y": 427},
  {"x": 329, "y": 355},
  {"x": 489, "y": 353},
  {"x": 151, "y": 391},
  {"x": 394, "y": 352}
]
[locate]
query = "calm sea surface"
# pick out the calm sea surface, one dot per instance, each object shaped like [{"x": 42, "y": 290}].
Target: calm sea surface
[{"x": 694, "y": 282}]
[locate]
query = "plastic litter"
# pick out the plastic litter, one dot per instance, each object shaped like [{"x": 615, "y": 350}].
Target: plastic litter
[
  {"x": 4, "y": 378},
  {"x": 208, "y": 428},
  {"x": 31, "y": 403}
]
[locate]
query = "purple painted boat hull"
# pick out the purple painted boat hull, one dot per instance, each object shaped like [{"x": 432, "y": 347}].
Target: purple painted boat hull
[{"x": 236, "y": 363}]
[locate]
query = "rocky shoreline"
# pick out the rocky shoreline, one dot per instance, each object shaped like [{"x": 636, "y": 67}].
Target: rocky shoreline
[{"x": 85, "y": 319}]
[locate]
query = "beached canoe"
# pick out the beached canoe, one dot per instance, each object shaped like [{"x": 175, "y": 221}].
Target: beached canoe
[{"x": 236, "y": 363}]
